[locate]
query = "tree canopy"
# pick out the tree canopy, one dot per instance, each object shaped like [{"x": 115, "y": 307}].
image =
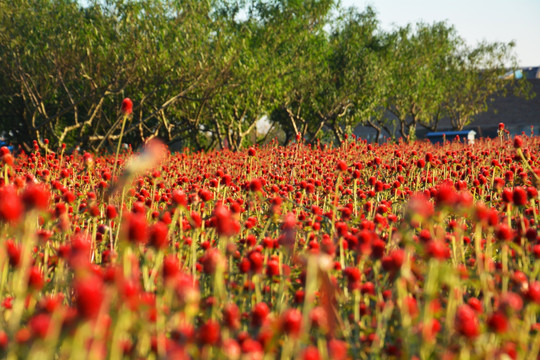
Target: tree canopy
[{"x": 203, "y": 73}]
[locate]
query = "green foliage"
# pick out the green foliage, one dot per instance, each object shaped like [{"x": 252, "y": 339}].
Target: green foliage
[
  {"x": 479, "y": 74},
  {"x": 417, "y": 69},
  {"x": 202, "y": 73}
]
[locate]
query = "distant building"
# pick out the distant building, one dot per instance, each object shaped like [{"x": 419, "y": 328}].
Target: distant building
[{"x": 517, "y": 114}]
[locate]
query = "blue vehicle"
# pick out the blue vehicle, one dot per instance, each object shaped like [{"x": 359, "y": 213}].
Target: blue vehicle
[
  {"x": 3, "y": 143},
  {"x": 445, "y": 136}
]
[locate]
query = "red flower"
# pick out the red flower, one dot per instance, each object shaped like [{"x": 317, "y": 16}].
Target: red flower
[
  {"x": 252, "y": 349},
  {"x": 90, "y": 293},
  {"x": 411, "y": 306},
  {"x": 231, "y": 349},
  {"x": 4, "y": 340},
  {"x": 6, "y": 156},
  {"x": 14, "y": 252},
  {"x": 511, "y": 302},
  {"x": 518, "y": 142},
  {"x": 40, "y": 325},
  {"x": 507, "y": 195},
  {"x": 127, "y": 106},
  {"x": 22, "y": 335},
  {"x": 7, "y": 159},
  {"x": 158, "y": 235},
  {"x": 532, "y": 192},
  {"x": 35, "y": 279},
  {"x": 341, "y": 165},
  {"x": 338, "y": 349},
  {"x": 213, "y": 260},
  {"x": 272, "y": 268},
  {"x": 475, "y": 304},
  {"x": 467, "y": 323},
  {"x": 437, "y": 249},
  {"x": 187, "y": 290},
  {"x": 498, "y": 323},
  {"x": 533, "y": 292},
  {"x": 255, "y": 185},
  {"x": 353, "y": 277},
  {"x": 368, "y": 288},
  {"x": 256, "y": 261},
  {"x": 519, "y": 196},
  {"x": 291, "y": 322},
  {"x": 179, "y": 198},
  {"x": 81, "y": 247},
  {"x": 311, "y": 353},
  {"x": 205, "y": 195},
  {"x": 171, "y": 267},
  {"x": 36, "y": 196},
  {"x": 209, "y": 333},
  {"x": 231, "y": 316},
  {"x": 446, "y": 195},
  {"x": 226, "y": 224},
  {"x": 431, "y": 329},
  {"x": 536, "y": 251},
  {"x": 137, "y": 230},
  {"x": 196, "y": 219},
  {"x": 259, "y": 313},
  {"x": 244, "y": 265},
  {"x": 111, "y": 212},
  {"x": 504, "y": 233},
  {"x": 10, "y": 204}
]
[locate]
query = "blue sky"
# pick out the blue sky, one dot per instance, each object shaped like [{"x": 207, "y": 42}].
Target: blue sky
[{"x": 474, "y": 20}]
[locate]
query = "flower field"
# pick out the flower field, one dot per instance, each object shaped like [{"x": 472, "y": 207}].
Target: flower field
[{"x": 308, "y": 252}]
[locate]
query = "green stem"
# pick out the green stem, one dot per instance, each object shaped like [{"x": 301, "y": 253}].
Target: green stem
[{"x": 119, "y": 143}]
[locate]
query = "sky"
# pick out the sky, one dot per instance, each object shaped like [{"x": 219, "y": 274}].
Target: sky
[{"x": 474, "y": 20}]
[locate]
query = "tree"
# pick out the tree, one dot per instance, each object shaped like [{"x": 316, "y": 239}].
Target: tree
[
  {"x": 300, "y": 56},
  {"x": 418, "y": 78},
  {"x": 247, "y": 85},
  {"x": 356, "y": 68},
  {"x": 202, "y": 73},
  {"x": 70, "y": 66},
  {"x": 477, "y": 75},
  {"x": 334, "y": 86}
]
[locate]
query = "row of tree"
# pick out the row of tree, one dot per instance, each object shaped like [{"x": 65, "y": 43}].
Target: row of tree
[{"x": 204, "y": 73}]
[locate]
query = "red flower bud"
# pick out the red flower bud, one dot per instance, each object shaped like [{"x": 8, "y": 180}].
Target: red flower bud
[
  {"x": 127, "y": 106},
  {"x": 518, "y": 142}
]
